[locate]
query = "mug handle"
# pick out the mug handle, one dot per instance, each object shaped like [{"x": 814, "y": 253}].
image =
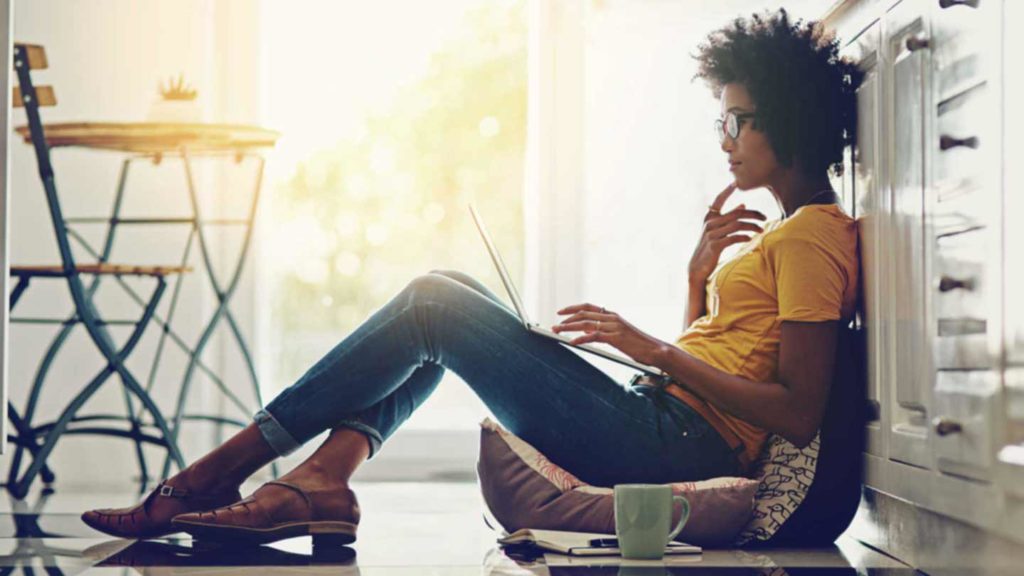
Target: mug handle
[{"x": 683, "y": 517}]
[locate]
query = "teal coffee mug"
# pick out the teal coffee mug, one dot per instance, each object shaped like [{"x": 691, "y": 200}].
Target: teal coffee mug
[{"x": 643, "y": 519}]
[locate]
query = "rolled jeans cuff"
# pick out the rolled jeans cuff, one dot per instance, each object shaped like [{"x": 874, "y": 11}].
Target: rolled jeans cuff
[
  {"x": 279, "y": 439},
  {"x": 376, "y": 440}
]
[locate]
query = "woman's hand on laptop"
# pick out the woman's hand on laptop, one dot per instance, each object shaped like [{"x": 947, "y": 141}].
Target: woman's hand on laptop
[{"x": 600, "y": 325}]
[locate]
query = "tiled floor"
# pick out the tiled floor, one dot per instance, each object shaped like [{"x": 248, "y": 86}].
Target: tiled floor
[{"x": 406, "y": 529}]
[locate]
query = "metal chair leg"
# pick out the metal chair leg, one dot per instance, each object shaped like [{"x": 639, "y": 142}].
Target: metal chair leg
[
  {"x": 19, "y": 288},
  {"x": 25, "y": 439},
  {"x": 58, "y": 341},
  {"x": 116, "y": 365}
]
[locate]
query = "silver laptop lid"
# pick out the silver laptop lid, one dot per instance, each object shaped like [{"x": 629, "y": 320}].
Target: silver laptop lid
[{"x": 500, "y": 264}]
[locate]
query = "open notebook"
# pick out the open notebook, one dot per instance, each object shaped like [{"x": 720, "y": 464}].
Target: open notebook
[{"x": 578, "y": 543}]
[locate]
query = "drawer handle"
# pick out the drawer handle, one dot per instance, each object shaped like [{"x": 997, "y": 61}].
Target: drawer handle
[
  {"x": 914, "y": 43},
  {"x": 969, "y": 3},
  {"x": 946, "y": 142},
  {"x": 945, "y": 426},
  {"x": 948, "y": 283}
]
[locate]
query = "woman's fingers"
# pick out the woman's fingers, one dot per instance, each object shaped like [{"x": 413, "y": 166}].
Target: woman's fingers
[
  {"x": 725, "y": 242},
  {"x": 733, "y": 215},
  {"x": 579, "y": 307},
  {"x": 604, "y": 318},
  {"x": 585, "y": 326},
  {"x": 719, "y": 201},
  {"x": 736, "y": 226}
]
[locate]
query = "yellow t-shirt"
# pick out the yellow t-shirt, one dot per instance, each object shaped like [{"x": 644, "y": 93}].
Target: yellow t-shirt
[{"x": 803, "y": 268}]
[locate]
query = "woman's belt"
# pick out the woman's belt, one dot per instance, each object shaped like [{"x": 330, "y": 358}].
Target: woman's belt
[{"x": 660, "y": 383}]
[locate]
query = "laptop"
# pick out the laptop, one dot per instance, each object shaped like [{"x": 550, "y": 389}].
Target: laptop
[{"x": 506, "y": 279}]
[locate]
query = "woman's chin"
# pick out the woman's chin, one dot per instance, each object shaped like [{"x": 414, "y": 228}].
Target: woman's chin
[{"x": 742, "y": 184}]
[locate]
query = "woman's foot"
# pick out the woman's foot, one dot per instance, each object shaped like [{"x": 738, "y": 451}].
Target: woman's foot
[
  {"x": 180, "y": 494},
  {"x": 297, "y": 505}
]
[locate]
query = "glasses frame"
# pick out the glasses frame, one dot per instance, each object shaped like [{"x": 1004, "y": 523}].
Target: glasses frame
[{"x": 730, "y": 124}]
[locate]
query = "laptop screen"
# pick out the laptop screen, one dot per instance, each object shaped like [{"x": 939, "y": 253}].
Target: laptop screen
[{"x": 506, "y": 279}]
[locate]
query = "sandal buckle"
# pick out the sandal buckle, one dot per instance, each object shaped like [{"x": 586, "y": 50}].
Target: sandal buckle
[{"x": 166, "y": 490}]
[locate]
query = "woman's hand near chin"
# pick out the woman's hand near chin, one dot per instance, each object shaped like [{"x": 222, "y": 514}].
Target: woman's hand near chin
[{"x": 719, "y": 232}]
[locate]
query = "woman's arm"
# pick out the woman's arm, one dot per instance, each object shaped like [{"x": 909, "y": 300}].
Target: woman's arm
[
  {"x": 792, "y": 407},
  {"x": 696, "y": 302}
]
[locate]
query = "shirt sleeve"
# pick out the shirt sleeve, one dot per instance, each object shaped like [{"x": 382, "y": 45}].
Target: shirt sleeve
[{"x": 810, "y": 282}]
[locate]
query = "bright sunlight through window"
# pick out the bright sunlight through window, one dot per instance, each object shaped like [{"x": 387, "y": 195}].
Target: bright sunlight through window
[{"x": 394, "y": 115}]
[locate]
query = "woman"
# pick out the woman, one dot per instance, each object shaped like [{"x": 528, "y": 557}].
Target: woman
[{"x": 755, "y": 358}]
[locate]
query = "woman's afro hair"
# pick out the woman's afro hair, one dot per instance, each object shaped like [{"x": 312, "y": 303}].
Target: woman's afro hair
[{"x": 804, "y": 93}]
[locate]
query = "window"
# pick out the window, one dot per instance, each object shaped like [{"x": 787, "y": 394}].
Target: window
[{"x": 394, "y": 115}]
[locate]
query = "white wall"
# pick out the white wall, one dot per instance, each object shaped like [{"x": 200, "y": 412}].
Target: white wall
[{"x": 106, "y": 59}]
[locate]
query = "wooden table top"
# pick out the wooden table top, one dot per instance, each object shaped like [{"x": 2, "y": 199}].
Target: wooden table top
[{"x": 155, "y": 137}]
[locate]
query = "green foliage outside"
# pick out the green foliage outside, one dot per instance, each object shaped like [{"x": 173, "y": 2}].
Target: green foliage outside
[{"x": 375, "y": 212}]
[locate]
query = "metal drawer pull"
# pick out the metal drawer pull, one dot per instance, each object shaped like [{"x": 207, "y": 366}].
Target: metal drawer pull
[
  {"x": 946, "y": 142},
  {"x": 945, "y": 426},
  {"x": 969, "y": 3},
  {"x": 948, "y": 283},
  {"x": 914, "y": 43}
]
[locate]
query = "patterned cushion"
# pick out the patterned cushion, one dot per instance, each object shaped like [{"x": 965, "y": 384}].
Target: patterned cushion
[
  {"x": 784, "y": 473},
  {"x": 523, "y": 489}
]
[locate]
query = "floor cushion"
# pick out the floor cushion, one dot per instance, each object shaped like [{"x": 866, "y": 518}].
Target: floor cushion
[
  {"x": 784, "y": 474},
  {"x": 523, "y": 489}
]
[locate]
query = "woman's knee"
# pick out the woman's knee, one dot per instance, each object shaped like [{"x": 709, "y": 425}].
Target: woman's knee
[
  {"x": 453, "y": 287},
  {"x": 456, "y": 275},
  {"x": 434, "y": 286}
]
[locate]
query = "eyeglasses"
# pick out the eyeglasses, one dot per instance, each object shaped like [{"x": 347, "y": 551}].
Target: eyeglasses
[{"x": 730, "y": 125}]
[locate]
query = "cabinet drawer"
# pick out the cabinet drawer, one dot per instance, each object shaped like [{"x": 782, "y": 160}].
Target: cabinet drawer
[
  {"x": 965, "y": 351},
  {"x": 963, "y": 208},
  {"x": 965, "y": 408},
  {"x": 961, "y": 300},
  {"x": 966, "y": 148},
  {"x": 963, "y": 46},
  {"x": 960, "y": 283}
]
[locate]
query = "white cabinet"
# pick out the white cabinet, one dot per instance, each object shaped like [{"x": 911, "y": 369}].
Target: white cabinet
[
  {"x": 870, "y": 205},
  {"x": 964, "y": 206},
  {"x": 940, "y": 206},
  {"x": 906, "y": 126}
]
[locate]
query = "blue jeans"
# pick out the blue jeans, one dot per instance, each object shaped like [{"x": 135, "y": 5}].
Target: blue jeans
[{"x": 604, "y": 432}]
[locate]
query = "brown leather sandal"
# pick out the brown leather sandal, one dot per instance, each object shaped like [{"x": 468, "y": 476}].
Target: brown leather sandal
[
  {"x": 331, "y": 518},
  {"x": 137, "y": 522}
]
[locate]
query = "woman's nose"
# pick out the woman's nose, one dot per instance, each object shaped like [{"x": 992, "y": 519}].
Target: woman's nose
[{"x": 728, "y": 144}]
